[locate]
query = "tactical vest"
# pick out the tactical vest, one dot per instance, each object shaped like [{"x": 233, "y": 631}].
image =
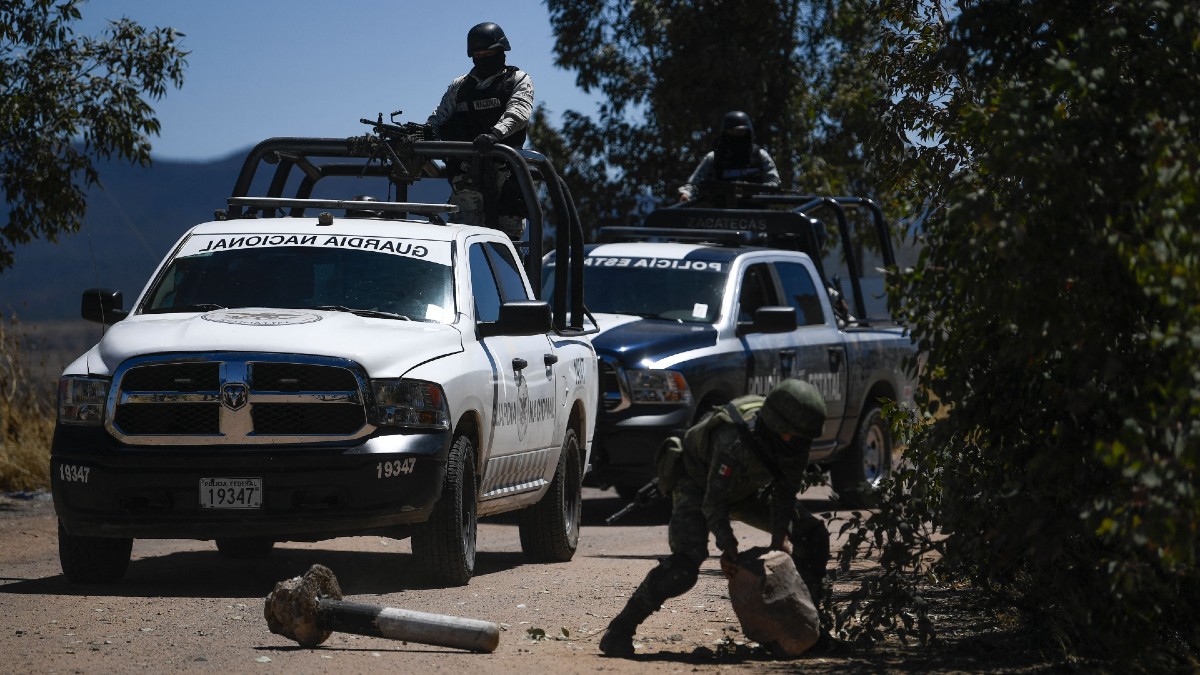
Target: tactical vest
[
  {"x": 476, "y": 109},
  {"x": 750, "y": 172},
  {"x": 691, "y": 455}
]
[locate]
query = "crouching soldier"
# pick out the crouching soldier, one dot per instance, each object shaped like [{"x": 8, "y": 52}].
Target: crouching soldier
[{"x": 733, "y": 469}]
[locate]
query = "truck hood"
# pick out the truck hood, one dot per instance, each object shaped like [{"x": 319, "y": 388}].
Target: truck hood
[
  {"x": 385, "y": 347},
  {"x": 634, "y": 340}
]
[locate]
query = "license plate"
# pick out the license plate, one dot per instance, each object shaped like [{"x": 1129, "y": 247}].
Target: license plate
[{"x": 230, "y": 493}]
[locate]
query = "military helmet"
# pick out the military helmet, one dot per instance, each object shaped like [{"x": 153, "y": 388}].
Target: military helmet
[
  {"x": 737, "y": 122},
  {"x": 485, "y": 37},
  {"x": 795, "y": 407}
]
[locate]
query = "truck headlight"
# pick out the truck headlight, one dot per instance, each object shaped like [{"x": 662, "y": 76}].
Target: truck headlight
[
  {"x": 410, "y": 403},
  {"x": 81, "y": 400},
  {"x": 658, "y": 386}
]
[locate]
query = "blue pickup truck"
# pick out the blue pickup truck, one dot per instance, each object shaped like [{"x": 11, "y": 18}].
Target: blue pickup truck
[{"x": 702, "y": 305}]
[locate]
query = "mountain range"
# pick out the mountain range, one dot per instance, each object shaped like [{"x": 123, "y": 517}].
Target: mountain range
[{"x": 133, "y": 219}]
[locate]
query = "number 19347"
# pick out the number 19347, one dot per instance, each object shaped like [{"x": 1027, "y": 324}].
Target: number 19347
[{"x": 395, "y": 467}]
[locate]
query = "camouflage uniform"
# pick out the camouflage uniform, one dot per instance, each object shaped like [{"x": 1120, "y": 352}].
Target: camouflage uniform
[{"x": 724, "y": 480}]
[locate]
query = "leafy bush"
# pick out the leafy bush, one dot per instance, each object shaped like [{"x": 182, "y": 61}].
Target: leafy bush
[{"x": 1056, "y": 300}]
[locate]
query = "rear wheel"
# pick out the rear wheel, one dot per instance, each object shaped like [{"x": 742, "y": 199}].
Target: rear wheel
[
  {"x": 444, "y": 547},
  {"x": 858, "y": 472},
  {"x": 245, "y": 548},
  {"x": 93, "y": 560},
  {"x": 550, "y": 528}
]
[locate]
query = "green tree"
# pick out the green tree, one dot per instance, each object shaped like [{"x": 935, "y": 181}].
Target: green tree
[
  {"x": 1058, "y": 302},
  {"x": 66, "y": 102},
  {"x": 669, "y": 71}
]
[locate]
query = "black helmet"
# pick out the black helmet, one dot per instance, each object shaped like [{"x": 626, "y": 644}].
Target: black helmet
[
  {"x": 362, "y": 213},
  {"x": 485, "y": 37},
  {"x": 736, "y": 123}
]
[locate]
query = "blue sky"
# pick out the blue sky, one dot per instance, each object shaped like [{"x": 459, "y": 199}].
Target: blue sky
[{"x": 263, "y": 68}]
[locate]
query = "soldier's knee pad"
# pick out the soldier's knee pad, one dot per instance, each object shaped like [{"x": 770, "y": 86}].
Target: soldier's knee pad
[{"x": 673, "y": 576}]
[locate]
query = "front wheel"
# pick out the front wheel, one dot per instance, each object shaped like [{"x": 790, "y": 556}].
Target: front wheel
[
  {"x": 444, "y": 547},
  {"x": 93, "y": 560},
  {"x": 857, "y": 473},
  {"x": 550, "y": 528}
]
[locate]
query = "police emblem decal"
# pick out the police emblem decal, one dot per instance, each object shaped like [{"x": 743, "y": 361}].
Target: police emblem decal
[{"x": 234, "y": 395}]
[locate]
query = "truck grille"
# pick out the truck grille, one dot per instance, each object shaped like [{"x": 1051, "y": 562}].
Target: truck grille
[
  {"x": 242, "y": 399},
  {"x": 614, "y": 391}
]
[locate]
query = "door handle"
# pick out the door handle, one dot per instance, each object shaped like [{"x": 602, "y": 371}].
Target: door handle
[
  {"x": 835, "y": 358},
  {"x": 550, "y": 359},
  {"x": 787, "y": 357},
  {"x": 520, "y": 363}
]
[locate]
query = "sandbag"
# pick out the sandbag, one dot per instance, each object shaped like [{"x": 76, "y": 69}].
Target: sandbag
[{"x": 773, "y": 604}]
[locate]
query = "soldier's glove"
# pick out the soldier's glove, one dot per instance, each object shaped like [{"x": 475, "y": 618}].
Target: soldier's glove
[{"x": 485, "y": 142}]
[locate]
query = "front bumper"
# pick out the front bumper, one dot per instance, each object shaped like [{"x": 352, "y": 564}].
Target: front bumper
[
  {"x": 625, "y": 445},
  {"x": 309, "y": 493}
]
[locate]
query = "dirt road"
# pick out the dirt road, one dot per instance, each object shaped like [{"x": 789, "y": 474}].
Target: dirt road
[{"x": 183, "y": 607}]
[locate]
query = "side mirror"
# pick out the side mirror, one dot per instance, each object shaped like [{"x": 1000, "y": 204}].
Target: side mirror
[
  {"x": 770, "y": 319},
  {"x": 521, "y": 317},
  {"x": 103, "y": 305}
]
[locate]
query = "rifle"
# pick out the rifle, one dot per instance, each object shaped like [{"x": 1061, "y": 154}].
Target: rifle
[{"x": 646, "y": 495}]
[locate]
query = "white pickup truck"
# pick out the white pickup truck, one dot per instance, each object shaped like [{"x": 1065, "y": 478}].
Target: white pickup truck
[{"x": 300, "y": 378}]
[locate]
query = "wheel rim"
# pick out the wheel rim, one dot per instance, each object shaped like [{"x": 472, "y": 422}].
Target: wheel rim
[
  {"x": 874, "y": 449},
  {"x": 467, "y": 513},
  {"x": 571, "y": 497}
]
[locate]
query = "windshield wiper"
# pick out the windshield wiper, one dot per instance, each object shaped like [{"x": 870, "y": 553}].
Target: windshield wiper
[
  {"x": 371, "y": 313},
  {"x": 199, "y": 307}
]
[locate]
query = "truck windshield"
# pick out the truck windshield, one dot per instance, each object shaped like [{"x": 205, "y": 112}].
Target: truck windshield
[
  {"x": 306, "y": 277},
  {"x": 680, "y": 292}
]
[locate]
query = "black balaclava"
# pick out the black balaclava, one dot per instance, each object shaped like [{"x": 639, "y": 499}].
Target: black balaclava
[
  {"x": 735, "y": 150},
  {"x": 487, "y": 66},
  {"x": 774, "y": 444}
]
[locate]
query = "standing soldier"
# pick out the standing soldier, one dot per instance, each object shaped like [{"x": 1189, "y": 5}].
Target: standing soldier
[
  {"x": 490, "y": 104},
  {"x": 736, "y": 158},
  {"x": 751, "y": 474}
]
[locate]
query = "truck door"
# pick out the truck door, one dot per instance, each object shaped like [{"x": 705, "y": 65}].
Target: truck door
[
  {"x": 770, "y": 356},
  {"x": 523, "y": 366},
  {"x": 819, "y": 352}
]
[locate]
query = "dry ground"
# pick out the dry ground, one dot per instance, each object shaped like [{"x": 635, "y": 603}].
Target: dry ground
[{"x": 184, "y": 608}]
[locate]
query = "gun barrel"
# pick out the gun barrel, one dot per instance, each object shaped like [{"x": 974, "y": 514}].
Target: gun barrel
[{"x": 620, "y": 514}]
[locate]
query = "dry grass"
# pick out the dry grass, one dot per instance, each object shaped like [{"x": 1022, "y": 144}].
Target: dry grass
[{"x": 26, "y": 412}]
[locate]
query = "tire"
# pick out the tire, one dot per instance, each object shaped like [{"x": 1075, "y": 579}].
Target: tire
[
  {"x": 857, "y": 473},
  {"x": 245, "y": 548},
  {"x": 93, "y": 560},
  {"x": 550, "y": 528},
  {"x": 444, "y": 547}
]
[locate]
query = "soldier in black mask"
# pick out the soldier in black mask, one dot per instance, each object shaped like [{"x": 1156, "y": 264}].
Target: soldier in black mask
[
  {"x": 490, "y": 104},
  {"x": 736, "y": 158}
]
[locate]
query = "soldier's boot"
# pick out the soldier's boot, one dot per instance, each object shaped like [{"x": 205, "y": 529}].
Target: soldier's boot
[
  {"x": 672, "y": 577},
  {"x": 618, "y": 637}
]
